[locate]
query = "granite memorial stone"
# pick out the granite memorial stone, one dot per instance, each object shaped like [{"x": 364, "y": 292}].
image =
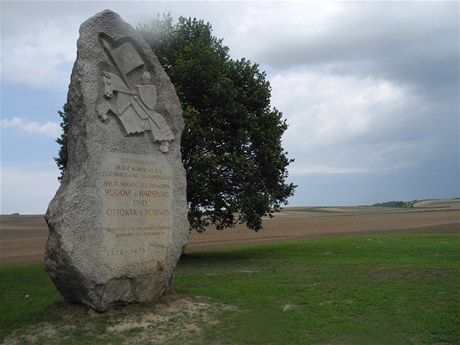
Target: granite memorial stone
[{"x": 118, "y": 223}]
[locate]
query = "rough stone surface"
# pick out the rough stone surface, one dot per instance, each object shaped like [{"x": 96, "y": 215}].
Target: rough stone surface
[{"x": 118, "y": 223}]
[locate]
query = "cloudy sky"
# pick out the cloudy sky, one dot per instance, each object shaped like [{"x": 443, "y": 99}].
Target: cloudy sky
[{"x": 370, "y": 91}]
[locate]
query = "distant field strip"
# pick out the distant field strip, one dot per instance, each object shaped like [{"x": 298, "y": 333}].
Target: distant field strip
[{"x": 23, "y": 238}]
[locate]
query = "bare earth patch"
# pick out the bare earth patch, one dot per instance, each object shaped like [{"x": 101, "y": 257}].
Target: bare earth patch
[{"x": 174, "y": 320}]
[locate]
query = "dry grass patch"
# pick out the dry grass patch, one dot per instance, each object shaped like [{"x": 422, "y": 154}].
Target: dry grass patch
[{"x": 175, "y": 319}]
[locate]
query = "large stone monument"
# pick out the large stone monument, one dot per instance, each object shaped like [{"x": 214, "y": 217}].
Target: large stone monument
[{"x": 118, "y": 223}]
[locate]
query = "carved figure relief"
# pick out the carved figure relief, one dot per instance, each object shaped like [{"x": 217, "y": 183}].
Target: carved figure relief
[{"x": 134, "y": 106}]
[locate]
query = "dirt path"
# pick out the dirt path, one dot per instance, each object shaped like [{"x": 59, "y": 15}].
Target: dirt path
[{"x": 23, "y": 238}]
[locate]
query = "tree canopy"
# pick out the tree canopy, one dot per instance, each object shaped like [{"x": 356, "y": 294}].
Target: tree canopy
[
  {"x": 231, "y": 146},
  {"x": 61, "y": 159}
]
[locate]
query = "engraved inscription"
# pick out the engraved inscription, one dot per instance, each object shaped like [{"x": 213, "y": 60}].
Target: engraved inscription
[{"x": 137, "y": 206}]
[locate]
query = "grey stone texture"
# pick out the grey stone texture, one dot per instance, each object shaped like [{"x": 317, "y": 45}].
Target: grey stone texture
[{"x": 118, "y": 222}]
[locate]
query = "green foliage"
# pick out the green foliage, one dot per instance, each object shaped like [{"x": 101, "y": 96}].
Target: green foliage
[
  {"x": 231, "y": 146},
  {"x": 61, "y": 159}
]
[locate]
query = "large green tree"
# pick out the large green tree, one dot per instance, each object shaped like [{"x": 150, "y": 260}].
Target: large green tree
[{"x": 231, "y": 146}]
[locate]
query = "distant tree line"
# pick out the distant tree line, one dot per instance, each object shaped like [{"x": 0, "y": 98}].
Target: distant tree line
[{"x": 396, "y": 204}]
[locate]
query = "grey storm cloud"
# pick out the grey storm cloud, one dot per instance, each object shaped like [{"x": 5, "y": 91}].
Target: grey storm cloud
[
  {"x": 370, "y": 90},
  {"x": 414, "y": 42}
]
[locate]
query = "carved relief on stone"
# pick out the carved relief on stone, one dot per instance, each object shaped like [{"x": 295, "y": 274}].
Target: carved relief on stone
[{"x": 133, "y": 106}]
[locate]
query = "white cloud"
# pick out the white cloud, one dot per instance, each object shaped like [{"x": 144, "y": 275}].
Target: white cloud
[
  {"x": 325, "y": 110},
  {"x": 27, "y": 187},
  {"x": 326, "y": 170},
  {"x": 41, "y": 59},
  {"x": 341, "y": 124},
  {"x": 49, "y": 129},
  {"x": 268, "y": 31},
  {"x": 363, "y": 159}
]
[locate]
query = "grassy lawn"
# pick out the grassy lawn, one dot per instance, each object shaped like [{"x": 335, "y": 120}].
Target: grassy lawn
[{"x": 371, "y": 289}]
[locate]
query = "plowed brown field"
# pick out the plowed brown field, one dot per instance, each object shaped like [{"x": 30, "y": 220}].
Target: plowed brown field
[{"x": 23, "y": 238}]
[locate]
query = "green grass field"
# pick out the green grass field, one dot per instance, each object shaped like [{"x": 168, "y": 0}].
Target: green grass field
[{"x": 371, "y": 289}]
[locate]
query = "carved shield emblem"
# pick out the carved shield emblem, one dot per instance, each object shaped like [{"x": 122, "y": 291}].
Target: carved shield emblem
[{"x": 148, "y": 95}]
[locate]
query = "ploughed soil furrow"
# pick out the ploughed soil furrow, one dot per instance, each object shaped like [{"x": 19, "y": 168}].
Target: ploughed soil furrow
[{"x": 23, "y": 238}]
